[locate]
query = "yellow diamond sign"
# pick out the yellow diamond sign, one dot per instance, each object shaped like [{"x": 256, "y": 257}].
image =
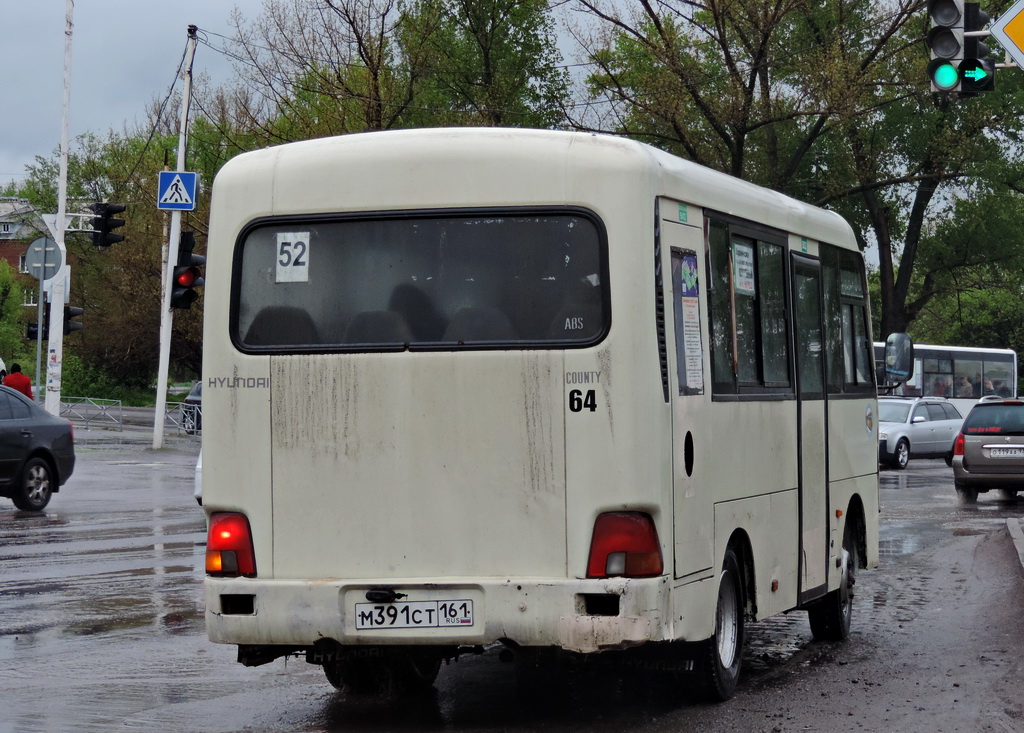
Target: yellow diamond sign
[{"x": 1009, "y": 31}]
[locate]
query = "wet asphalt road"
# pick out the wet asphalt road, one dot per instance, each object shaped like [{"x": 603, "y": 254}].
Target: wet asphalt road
[{"x": 101, "y": 629}]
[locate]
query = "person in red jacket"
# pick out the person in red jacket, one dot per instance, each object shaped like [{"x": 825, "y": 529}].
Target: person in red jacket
[{"x": 17, "y": 380}]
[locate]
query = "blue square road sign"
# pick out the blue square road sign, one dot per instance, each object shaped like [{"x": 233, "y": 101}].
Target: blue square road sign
[{"x": 176, "y": 191}]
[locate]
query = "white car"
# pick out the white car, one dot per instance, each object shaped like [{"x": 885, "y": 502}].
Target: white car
[{"x": 916, "y": 427}]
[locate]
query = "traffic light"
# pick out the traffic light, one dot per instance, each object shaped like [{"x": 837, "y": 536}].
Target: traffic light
[
  {"x": 69, "y": 313},
  {"x": 946, "y": 44},
  {"x": 977, "y": 72},
  {"x": 32, "y": 330},
  {"x": 186, "y": 276},
  {"x": 104, "y": 224}
]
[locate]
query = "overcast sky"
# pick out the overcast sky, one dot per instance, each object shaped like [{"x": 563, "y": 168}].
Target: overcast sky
[{"x": 124, "y": 55}]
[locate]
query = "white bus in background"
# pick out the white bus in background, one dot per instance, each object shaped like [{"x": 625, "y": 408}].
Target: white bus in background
[
  {"x": 961, "y": 374},
  {"x": 560, "y": 391}
]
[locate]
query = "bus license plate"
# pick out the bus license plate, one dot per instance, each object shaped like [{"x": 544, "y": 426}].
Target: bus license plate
[
  {"x": 1006, "y": 452},
  {"x": 414, "y": 614}
]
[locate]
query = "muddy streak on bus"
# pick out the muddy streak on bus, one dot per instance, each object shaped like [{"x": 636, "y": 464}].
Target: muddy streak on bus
[{"x": 560, "y": 391}]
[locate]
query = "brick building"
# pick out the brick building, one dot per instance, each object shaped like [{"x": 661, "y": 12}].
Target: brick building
[{"x": 18, "y": 221}]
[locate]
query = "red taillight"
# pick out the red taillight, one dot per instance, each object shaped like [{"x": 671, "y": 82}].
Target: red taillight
[
  {"x": 624, "y": 544},
  {"x": 958, "y": 445},
  {"x": 229, "y": 550}
]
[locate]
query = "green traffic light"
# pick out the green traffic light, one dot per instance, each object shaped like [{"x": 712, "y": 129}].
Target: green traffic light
[{"x": 945, "y": 76}]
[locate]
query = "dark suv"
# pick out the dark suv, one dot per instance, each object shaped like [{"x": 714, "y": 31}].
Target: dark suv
[{"x": 989, "y": 451}]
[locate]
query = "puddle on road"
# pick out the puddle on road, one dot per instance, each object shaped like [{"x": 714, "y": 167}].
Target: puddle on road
[{"x": 772, "y": 641}]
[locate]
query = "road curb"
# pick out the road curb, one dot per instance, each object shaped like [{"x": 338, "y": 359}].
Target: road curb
[{"x": 1017, "y": 534}]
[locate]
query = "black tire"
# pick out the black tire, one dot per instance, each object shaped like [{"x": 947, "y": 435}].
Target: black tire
[
  {"x": 418, "y": 672},
  {"x": 720, "y": 657},
  {"x": 1008, "y": 494},
  {"x": 831, "y": 616},
  {"x": 965, "y": 494},
  {"x": 359, "y": 676},
  {"x": 333, "y": 673},
  {"x": 407, "y": 673},
  {"x": 901, "y": 456},
  {"x": 36, "y": 486}
]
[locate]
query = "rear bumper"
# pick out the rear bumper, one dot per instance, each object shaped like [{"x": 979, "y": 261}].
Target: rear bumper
[
  {"x": 65, "y": 466},
  {"x": 984, "y": 481},
  {"x": 575, "y": 615}
]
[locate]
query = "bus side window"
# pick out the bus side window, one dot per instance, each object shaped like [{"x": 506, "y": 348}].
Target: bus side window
[
  {"x": 749, "y": 330},
  {"x": 848, "y": 356}
]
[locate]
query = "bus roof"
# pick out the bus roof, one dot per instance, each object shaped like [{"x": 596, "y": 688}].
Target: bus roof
[
  {"x": 426, "y": 158},
  {"x": 920, "y": 349}
]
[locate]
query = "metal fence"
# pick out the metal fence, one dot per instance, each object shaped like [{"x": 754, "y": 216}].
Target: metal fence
[
  {"x": 112, "y": 415},
  {"x": 187, "y": 418},
  {"x": 93, "y": 413}
]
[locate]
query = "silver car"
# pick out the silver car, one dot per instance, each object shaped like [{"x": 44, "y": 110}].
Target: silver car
[
  {"x": 989, "y": 451},
  {"x": 916, "y": 427}
]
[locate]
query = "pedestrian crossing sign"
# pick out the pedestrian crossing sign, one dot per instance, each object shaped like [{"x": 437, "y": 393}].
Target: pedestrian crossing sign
[{"x": 176, "y": 191}]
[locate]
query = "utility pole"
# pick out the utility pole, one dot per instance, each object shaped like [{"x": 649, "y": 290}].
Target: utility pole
[
  {"x": 166, "y": 316},
  {"x": 61, "y": 281}
]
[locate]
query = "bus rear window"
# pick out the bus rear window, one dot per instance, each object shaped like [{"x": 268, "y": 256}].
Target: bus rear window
[{"x": 476, "y": 280}]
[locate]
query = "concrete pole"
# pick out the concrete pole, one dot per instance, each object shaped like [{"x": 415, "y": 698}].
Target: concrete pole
[
  {"x": 61, "y": 280},
  {"x": 166, "y": 315}
]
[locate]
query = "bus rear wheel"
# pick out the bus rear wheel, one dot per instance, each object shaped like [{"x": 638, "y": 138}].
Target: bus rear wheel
[
  {"x": 398, "y": 674},
  {"x": 718, "y": 664}
]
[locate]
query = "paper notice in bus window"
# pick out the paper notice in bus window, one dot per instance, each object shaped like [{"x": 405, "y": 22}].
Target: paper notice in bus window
[
  {"x": 743, "y": 269},
  {"x": 292, "y": 257},
  {"x": 689, "y": 354}
]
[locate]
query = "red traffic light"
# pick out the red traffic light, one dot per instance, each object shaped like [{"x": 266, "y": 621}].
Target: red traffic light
[{"x": 187, "y": 277}]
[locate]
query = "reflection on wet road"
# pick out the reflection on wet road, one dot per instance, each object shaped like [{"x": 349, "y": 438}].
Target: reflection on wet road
[
  {"x": 94, "y": 588},
  {"x": 919, "y": 506},
  {"x": 101, "y": 622}
]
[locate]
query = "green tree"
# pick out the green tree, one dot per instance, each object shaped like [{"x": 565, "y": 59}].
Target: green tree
[
  {"x": 120, "y": 287},
  {"x": 484, "y": 62},
  {"x": 12, "y": 313},
  {"x": 826, "y": 101},
  {"x": 327, "y": 67}
]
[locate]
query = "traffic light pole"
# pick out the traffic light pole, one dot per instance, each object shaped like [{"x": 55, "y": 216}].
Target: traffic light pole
[
  {"x": 58, "y": 288},
  {"x": 166, "y": 315}
]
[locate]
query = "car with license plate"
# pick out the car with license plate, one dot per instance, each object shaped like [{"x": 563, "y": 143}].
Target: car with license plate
[
  {"x": 989, "y": 451},
  {"x": 915, "y": 427},
  {"x": 37, "y": 451}
]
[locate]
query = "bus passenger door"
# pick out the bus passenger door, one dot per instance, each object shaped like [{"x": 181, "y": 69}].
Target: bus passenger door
[
  {"x": 811, "y": 425},
  {"x": 685, "y": 304}
]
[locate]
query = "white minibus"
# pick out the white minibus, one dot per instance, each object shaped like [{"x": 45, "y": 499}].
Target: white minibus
[{"x": 557, "y": 391}]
